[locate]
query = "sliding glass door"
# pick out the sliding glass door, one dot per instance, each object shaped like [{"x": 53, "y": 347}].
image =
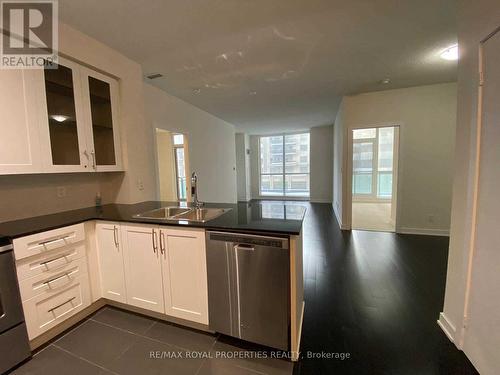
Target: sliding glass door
[
  {"x": 284, "y": 165},
  {"x": 372, "y": 163}
]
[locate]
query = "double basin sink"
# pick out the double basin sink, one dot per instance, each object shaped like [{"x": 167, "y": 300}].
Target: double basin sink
[{"x": 199, "y": 215}]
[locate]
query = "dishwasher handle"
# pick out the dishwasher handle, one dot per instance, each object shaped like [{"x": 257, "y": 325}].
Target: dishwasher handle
[{"x": 244, "y": 246}]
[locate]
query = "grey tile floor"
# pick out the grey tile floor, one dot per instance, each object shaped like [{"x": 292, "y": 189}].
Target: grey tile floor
[{"x": 114, "y": 341}]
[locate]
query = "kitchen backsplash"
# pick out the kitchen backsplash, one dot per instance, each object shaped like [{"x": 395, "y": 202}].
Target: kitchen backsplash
[{"x": 23, "y": 196}]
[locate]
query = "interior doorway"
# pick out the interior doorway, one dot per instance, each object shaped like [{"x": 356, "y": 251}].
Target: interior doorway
[
  {"x": 374, "y": 178},
  {"x": 173, "y": 166}
]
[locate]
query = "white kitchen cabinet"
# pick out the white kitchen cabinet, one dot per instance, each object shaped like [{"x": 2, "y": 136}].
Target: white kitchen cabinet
[
  {"x": 59, "y": 120},
  {"x": 184, "y": 270},
  {"x": 101, "y": 113},
  {"x": 19, "y": 133},
  {"x": 111, "y": 262},
  {"x": 62, "y": 120},
  {"x": 143, "y": 275}
]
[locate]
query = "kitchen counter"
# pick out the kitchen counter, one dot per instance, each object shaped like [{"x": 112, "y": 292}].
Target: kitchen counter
[{"x": 278, "y": 218}]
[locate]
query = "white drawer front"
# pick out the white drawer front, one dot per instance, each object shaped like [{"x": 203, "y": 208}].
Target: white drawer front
[
  {"x": 42, "y": 242},
  {"x": 45, "y": 311},
  {"x": 50, "y": 262},
  {"x": 52, "y": 282}
]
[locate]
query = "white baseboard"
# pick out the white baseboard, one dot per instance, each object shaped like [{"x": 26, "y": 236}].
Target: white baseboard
[
  {"x": 320, "y": 201},
  {"x": 448, "y": 328},
  {"x": 342, "y": 226},
  {"x": 424, "y": 231}
]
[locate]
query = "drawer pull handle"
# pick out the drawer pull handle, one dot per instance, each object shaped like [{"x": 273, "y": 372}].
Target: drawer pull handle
[
  {"x": 53, "y": 260},
  {"x": 62, "y": 304},
  {"x": 44, "y": 243},
  {"x": 57, "y": 278}
]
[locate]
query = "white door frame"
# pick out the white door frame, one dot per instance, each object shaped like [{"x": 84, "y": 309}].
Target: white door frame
[{"x": 397, "y": 167}]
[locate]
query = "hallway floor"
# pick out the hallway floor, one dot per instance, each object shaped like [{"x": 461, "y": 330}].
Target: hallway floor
[
  {"x": 376, "y": 296},
  {"x": 372, "y": 216}
]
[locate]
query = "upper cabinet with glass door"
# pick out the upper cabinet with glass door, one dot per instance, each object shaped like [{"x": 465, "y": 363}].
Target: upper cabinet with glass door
[
  {"x": 101, "y": 96},
  {"x": 63, "y": 135},
  {"x": 79, "y": 120}
]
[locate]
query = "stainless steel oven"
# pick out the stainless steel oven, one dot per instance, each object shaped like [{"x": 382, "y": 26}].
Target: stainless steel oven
[{"x": 14, "y": 344}]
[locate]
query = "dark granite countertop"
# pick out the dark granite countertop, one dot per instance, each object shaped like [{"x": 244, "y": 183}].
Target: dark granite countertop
[{"x": 279, "y": 218}]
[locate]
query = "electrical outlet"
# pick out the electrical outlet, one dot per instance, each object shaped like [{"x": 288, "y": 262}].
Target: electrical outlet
[
  {"x": 61, "y": 191},
  {"x": 140, "y": 184}
]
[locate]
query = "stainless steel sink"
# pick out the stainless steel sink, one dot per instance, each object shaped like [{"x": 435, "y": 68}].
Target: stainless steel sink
[
  {"x": 163, "y": 213},
  {"x": 200, "y": 215}
]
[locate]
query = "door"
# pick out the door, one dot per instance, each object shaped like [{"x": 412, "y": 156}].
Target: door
[
  {"x": 100, "y": 95},
  {"x": 143, "y": 276},
  {"x": 185, "y": 274},
  {"x": 19, "y": 143},
  {"x": 482, "y": 336},
  {"x": 62, "y": 121},
  {"x": 111, "y": 267},
  {"x": 374, "y": 178}
]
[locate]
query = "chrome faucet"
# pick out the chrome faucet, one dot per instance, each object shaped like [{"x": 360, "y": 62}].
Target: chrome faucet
[{"x": 194, "y": 190}]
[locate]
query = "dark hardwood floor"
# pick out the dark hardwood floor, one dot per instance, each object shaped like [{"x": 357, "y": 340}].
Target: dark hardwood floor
[{"x": 376, "y": 296}]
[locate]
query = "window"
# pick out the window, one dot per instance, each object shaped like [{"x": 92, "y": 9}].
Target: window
[
  {"x": 284, "y": 165},
  {"x": 372, "y": 162}
]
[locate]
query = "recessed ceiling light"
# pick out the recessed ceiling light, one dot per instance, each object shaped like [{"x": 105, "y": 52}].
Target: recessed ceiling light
[
  {"x": 252, "y": 93},
  {"x": 450, "y": 53},
  {"x": 385, "y": 81},
  {"x": 59, "y": 118}
]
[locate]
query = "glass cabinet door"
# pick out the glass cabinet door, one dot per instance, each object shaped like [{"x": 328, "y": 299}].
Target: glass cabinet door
[
  {"x": 65, "y": 131},
  {"x": 102, "y": 92}
]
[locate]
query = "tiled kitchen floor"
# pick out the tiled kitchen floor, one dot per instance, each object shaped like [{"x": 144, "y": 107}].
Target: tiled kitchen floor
[{"x": 114, "y": 341}]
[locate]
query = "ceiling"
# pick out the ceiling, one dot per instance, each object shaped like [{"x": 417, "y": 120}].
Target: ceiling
[{"x": 275, "y": 65}]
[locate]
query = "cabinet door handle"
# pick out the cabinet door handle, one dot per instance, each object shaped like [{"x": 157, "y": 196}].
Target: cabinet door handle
[
  {"x": 153, "y": 237},
  {"x": 62, "y": 304},
  {"x": 92, "y": 153},
  {"x": 115, "y": 235},
  {"x": 53, "y": 260},
  {"x": 56, "y": 278},
  {"x": 162, "y": 242},
  {"x": 44, "y": 243}
]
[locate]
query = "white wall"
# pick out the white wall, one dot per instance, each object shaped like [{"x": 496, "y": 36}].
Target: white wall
[
  {"x": 211, "y": 142},
  {"x": 339, "y": 161},
  {"x": 427, "y": 119},
  {"x": 321, "y": 166},
  {"x": 476, "y": 19},
  {"x": 243, "y": 167}
]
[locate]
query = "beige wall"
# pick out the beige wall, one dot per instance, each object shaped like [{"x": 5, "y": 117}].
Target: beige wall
[
  {"x": 212, "y": 147},
  {"x": 243, "y": 167},
  {"x": 339, "y": 137},
  {"x": 25, "y": 196},
  {"x": 476, "y": 19},
  {"x": 427, "y": 119},
  {"x": 321, "y": 164}
]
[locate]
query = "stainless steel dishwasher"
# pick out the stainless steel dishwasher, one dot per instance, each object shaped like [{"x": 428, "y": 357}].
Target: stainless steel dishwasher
[{"x": 249, "y": 287}]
